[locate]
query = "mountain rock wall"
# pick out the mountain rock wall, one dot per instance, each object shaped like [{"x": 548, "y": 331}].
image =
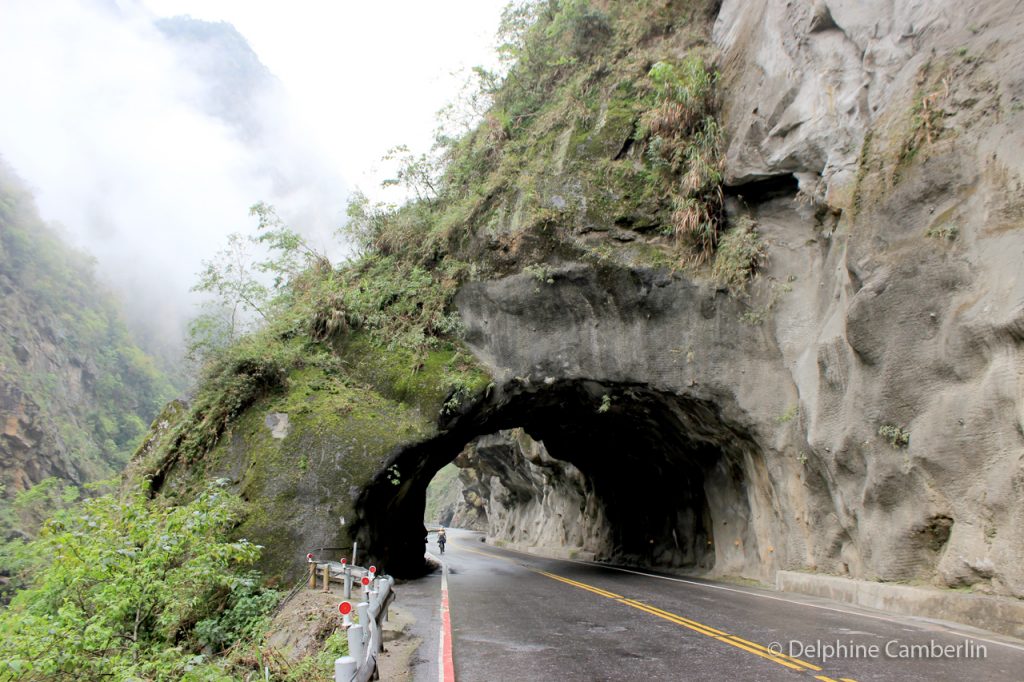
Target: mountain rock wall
[
  {"x": 856, "y": 408},
  {"x": 515, "y": 491},
  {"x": 76, "y": 391},
  {"x": 876, "y": 363}
]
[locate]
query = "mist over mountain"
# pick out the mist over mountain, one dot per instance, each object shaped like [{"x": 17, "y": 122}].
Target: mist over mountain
[
  {"x": 237, "y": 86},
  {"x": 76, "y": 391},
  {"x": 148, "y": 139}
]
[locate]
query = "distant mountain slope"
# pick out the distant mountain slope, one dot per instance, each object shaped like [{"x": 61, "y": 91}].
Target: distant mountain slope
[
  {"x": 75, "y": 390},
  {"x": 238, "y": 89},
  {"x": 237, "y": 84}
]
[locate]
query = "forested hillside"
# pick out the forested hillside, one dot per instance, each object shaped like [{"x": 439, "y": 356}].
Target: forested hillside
[{"x": 76, "y": 392}]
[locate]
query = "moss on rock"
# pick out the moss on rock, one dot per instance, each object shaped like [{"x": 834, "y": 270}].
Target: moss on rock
[{"x": 342, "y": 413}]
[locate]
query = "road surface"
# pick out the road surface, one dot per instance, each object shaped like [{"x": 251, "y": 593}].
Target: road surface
[{"x": 515, "y": 616}]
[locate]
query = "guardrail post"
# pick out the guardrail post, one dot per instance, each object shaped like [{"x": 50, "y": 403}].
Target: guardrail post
[
  {"x": 356, "y": 645},
  {"x": 345, "y": 669},
  {"x": 388, "y": 587},
  {"x": 312, "y": 575},
  {"x": 376, "y": 638},
  {"x": 365, "y": 638}
]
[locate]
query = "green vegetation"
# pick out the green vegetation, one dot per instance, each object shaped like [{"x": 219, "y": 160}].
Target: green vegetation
[
  {"x": 380, "y": 319},
  {"x": 442, "y": 490},
  {"x": 789, "y": 415},
  {"x": 539, "y": 273},
  {"x": 21, "y": 518},
  {"x": 52, "y": 298},
  {"x": 740, "y": 253},
  {"x": 683, "y": 138},
  {"x": 131, "y": 589},
  {"x": 581, "y": 133},
  {"x": 896, "y": 436},
  {"x": 755, "y": 317},
  {"x": 926, "y": 116},
  {"x": 947, "y": 232},
  {"x": 925, "y": 123}
]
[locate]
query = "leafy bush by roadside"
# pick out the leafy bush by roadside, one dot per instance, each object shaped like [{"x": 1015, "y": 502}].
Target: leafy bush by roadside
[{"x": 133, "y": 589}]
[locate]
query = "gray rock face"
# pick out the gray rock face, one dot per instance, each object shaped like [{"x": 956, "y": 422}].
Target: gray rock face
[
  {"x": 862, "y": 412},
  {"x": 695, "y": 461},
  {"x": 279, "y": 424},
  {"x": 516, "y": 491},
  {"x": 858, "y": 410}
]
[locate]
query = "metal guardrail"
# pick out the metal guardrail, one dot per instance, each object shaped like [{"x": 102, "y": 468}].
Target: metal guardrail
[{"x": 365, "y": 638}]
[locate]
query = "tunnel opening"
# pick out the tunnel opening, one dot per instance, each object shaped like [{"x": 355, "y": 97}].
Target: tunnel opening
[{"x": 620, "y": 473}]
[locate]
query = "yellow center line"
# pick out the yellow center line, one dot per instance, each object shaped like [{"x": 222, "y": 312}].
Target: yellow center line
[
  {"x": 706, "y": 630},
  {"x": 798, "y": 661},
  {"x": 712, "y": 632},
  {"x": 582, "y": 586},
  {"x": 633, "y": 602},
  {"x": 677, "y": 621},
  {"x": 726, "y": 639},
  {"x": 492, "y": 556},
  {"x": 736, "y": 641}
]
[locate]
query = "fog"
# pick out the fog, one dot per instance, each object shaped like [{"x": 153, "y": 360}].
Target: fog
[{"x": 148, "y": 145}]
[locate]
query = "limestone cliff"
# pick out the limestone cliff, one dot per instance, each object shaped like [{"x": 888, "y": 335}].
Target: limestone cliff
[
  {"x": 876, "y": 367},
  {"x": 748, "y": 271},
  {"x": 519, "y": 494}
]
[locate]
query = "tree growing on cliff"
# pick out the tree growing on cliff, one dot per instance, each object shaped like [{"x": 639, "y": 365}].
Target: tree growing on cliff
[{"x": 247, "y": 278}]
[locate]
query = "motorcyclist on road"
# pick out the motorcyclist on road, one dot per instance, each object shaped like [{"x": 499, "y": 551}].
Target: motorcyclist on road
[{"x": 442, "y": 538}]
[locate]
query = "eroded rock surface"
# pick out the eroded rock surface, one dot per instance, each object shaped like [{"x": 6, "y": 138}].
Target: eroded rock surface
[
  {"x": 858, "y": 409},
  {"x": 515, "y": 491},
  {"x": 891, "y": 303}
]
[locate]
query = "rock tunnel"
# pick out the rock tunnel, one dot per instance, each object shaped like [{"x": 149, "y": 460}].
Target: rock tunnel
[{"x": 675, "y": 485}]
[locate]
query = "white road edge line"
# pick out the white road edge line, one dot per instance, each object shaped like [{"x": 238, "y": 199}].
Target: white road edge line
[
  {"x": 768, "y": 596},
  {"x": 897, "y": 621}
]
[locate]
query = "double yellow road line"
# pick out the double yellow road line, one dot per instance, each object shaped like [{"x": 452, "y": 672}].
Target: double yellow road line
[{"x": 778, "y": 657}]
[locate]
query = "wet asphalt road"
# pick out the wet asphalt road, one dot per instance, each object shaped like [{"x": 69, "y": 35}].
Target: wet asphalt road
[{"x": 520, "y": 617}]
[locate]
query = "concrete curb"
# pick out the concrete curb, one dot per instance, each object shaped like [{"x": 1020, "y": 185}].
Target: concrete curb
[{"x": 997, "y": 614}]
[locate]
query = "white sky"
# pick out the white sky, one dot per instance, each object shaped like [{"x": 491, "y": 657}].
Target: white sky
[
  {"x": 99, "y": 118},
  {"x": 363, "y": 75}
]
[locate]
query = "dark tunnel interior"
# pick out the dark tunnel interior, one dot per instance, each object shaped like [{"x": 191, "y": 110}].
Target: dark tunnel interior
[{"x": 665, "y": 470}]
